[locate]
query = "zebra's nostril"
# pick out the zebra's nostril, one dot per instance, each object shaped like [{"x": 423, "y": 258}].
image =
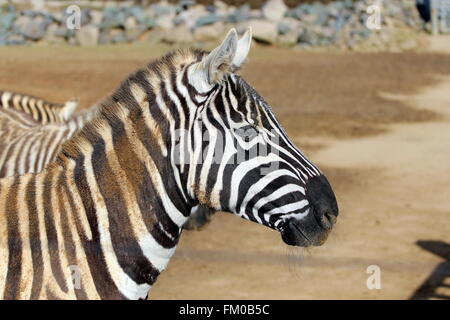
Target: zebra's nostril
[
  {"x": 331, "y": 217},
  {"x": 326, "y": 220},
  {"x": 321, "y": 197}
]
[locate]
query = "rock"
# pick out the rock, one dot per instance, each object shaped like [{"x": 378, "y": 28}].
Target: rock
[
  {"x": 330, "y": 36},
  {"x": 321, "y": 17},
  {"x": 64, "y": 32},
  {"x": 186, "y": 4},
  {"x": 223, "y": 9},
  {"x": 104, "y": 37},
  {"x": 297, "y": 12},
  {"x": 287, "y": 25},
  {"x": 88, "y": 35},
  {"x": 34, "y": 29},
  {"x": 274, "y": 10},
  {"x": 148, "y": 23},
  {"x": 20, "y": 23},
  {"x": 178, "y": 34},
  {"x": 241, "y": 14},
  {"x": 85, "y": 16},
  {"x": 3, "y": 40},
  {"x": 165, "y": 21},
  {"x": 349, "y": 4},
  {"x": 133, "y": 34},
  {"x": 15, "y": 40},
  {"x": 208, "y": 19},
  {"x": 220, "y": 6},
  {"x": 138, "y": 13},
  {"x": 59, "y": 16},
  {"x": 340, "y": 23},
  {"x": 283, "y": 28},
  {"x": 308, "y": 37},
  {"x": 288, "y": 39},
  {"x": 38, "y": 5},
  {"x": 30, "y": 13},
  {"x": 263, "y": 30},
  {"x": 190, "y": 17},
  {"x": 113, "y": 18},
  {"x": 117, "y": 36},
  {"x": 163, "y": 8},
  {"x": 7, "y": 21},
  {"x": 209, "y": 33},
  {"x": 51, "y": 36},
  {"x": 365, "y": 33},
  {"x": 150, "y": 11},
  {"x": 309, "y": 18},
  {"x": 256, "y": 14},
  {"x": 130, "y": 23},
  {"x": 154, "y": 36},
  {"x": 96, "y": 17}
]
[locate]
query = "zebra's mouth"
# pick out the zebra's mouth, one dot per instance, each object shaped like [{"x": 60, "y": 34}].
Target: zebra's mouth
[
  {"x": 303, "y": 233},
  {"x": 293, "y": 235}
]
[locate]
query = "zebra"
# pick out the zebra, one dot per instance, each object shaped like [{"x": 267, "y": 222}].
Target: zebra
[
  {"x": 109, "y": 210},
  {"x": 26, "y": 127},
  {"x": 38, "y": 109},
  {"x": 27, "y": 145}
]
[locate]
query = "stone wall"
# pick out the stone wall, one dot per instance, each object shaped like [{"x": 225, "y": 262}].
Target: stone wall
[{"x": 340, "y": 24}]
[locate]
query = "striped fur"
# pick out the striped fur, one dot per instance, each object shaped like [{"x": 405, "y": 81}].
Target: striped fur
[
  {"x": 112, "y": 204},
  {"x": 28, "y": 146},
  {"x": 38, "y": 109}
]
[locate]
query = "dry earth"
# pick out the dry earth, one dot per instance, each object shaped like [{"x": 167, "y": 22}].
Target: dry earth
[{"x": 377, "y": 124}]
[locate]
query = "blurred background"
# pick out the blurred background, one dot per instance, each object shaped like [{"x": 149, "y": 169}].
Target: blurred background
[{"x": 362, "y": 87}]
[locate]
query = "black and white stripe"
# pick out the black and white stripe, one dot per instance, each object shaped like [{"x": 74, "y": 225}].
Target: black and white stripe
[
  {"x": 37, "y": 109},
  {"x": 27, "y": 146}
]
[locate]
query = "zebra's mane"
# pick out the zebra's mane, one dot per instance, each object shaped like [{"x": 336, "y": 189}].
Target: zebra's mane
[
  {"x": 115, "y": 107},
  {"x": 32, "y": 108}
]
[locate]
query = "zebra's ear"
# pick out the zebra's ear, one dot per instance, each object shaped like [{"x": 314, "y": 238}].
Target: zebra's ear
[
  {"x": 220, "y": 61},
  {"x": 242, "y": 50},
  {"x": 69, "y": 108}
]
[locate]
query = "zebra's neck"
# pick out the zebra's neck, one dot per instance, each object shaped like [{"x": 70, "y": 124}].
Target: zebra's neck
[{"x": 124, "y": 180}]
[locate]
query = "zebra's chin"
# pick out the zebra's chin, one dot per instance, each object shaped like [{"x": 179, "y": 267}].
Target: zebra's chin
[{"x": 303, "y": 233}]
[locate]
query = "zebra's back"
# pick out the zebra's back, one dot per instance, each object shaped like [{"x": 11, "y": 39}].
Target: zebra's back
[
  {"x": 27, "y": 146},
  {"x": 38, "y": 109}
]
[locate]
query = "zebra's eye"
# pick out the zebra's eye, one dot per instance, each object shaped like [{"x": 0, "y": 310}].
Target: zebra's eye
[{"x": 247, "y": 132}]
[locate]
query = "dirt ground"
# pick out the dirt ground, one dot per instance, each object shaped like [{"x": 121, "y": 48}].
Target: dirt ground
[{"x": 377, "y": 124}]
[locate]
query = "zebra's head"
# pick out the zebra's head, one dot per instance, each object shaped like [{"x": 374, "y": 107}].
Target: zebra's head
[{"x": 244, "y": 161}]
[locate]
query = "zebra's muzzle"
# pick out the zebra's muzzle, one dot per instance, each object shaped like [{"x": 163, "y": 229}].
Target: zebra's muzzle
[{"x": 305, "y": 232}]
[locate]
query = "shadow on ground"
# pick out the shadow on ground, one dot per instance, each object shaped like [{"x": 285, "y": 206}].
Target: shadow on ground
[{"x": 437, "y": 285}]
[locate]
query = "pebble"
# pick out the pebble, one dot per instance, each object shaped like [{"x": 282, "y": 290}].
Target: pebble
[{"x": 338, "y": 23}]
